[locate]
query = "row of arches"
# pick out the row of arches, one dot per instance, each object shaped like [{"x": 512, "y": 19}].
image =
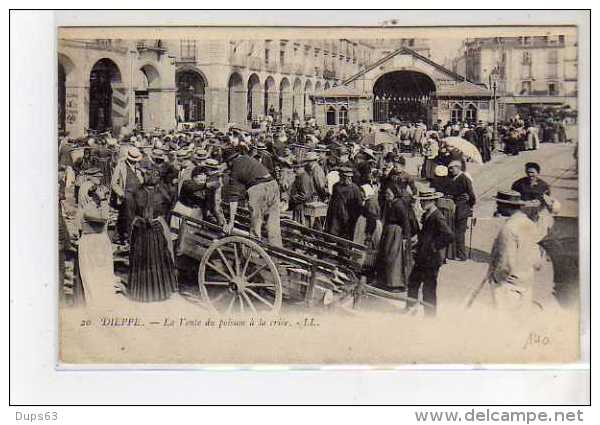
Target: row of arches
[
  {"x": 247, "y": 99},
  {"x": 286, "y": 100}
]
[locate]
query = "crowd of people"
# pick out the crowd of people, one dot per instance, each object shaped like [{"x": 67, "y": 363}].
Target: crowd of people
[{"x": 135, "y": 183}]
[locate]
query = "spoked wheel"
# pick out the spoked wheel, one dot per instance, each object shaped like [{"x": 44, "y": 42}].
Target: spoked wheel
[{"x": 237, "y": 276}]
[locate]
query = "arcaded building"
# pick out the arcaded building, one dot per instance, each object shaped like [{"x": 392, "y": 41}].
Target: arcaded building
[{"x": 122, "y": 84}]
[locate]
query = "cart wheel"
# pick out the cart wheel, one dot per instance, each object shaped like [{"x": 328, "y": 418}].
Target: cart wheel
[{"x": 236, "y": 275}]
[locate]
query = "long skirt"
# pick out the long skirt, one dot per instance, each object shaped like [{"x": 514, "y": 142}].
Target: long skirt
[
  {"x": 429, "y": 168},
  {"x": 394, "y": 261},
  {"x": 151, "y": 267},
  {"x": 96, "y": 269},
  {"x": 448, "y": 209},
  {"x": 369, "y": 260}
]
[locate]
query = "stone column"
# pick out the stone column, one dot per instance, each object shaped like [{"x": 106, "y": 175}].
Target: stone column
[
  {"x": 216, "y": 106},
  {"x": 286, "y": 106},
  {"x": 160, "y": 109},
  {"x": 76, "y": 110}
]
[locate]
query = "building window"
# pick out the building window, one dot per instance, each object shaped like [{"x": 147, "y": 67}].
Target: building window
[
  {"x": 552, "y": 89},
  {"x": 525, "y": 87},
  {"x": 471, "y": 113},
  {"x": 561, "y": 39},
  {"x": 457, "y": 113},
  {"x": 343, "y": 117},
  {"x": 188, "y": 49},
  {"x": 331, "y": 115},
  {"x": 267, "y": 52},
  {"x": 282, "y": 57}
]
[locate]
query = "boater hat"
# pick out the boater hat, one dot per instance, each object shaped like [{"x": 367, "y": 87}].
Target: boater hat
[
  {"x": 429, "y": 194},
  {"x": 134, "y": 154},
  {"x": 441, "y": 171},
  {"x": 311, "y": 156},
  {"x": 510, "y": 197}
]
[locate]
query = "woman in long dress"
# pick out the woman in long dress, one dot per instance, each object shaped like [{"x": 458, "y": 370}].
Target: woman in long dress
[
  {"x": 95, "y": 260},
  {"x": 369, "y": 227},
  {"x": 152, "y": 274},
  {"x": 394, "y": 260}
]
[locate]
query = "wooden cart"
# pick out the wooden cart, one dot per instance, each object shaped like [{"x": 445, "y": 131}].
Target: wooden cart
[{"x": 240, "y": 274}]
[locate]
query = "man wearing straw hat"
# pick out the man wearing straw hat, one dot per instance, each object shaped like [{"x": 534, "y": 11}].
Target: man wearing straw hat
[
  {"x": 126, "y": 181},
  {"x": 515, "y": 254},
  {"x": 434, "y": 236}
]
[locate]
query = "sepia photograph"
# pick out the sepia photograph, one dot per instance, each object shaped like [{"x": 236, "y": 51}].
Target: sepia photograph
[{"x": 299, "y": 195}]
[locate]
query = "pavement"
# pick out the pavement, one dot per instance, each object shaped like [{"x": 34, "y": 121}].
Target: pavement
[{"x": 457, "y": 279}]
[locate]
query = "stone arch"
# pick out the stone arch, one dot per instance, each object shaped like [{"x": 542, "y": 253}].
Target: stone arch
[
  {"x": 236, "y": 104},
  {"x": 307, "y": 106},
  {"x": 270, "y": 93},
  {"x": 254, "y": 100},
  {"x": 285, "y": 99},
  {"x": 403, "y": 94},
  {"x": 191, "y": 87},
  {"x": 152, "y": 76},
  {"x": 108, "y": 99}
]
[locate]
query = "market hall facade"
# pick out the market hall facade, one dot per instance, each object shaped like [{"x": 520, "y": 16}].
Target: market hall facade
[{"x": 120, "y": 85}]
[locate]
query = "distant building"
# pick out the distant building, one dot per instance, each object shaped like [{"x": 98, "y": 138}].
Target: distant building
[{"x": 536, "y": 70}]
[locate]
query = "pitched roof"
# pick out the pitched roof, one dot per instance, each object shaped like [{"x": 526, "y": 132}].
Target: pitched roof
[
  {"x": 341, "y": 91},
  {"x": 400, "y": 51},
  {"x": 464, "y": 89}
]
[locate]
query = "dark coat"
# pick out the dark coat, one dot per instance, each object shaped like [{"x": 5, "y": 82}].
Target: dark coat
[
  {"x": 345, "y": 206},
  {"x": 460, "y": 189},
  {"x": 433, "y": 236},
  {"x": 531, "y": 192}
]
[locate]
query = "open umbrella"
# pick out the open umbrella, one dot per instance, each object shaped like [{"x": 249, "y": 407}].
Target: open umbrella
[{"x": 467, "y": 148}]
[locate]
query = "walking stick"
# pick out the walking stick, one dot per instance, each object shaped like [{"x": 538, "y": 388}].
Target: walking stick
[
  {"x": 473, "y": 223},
  {"x": 473, "y": 294}
]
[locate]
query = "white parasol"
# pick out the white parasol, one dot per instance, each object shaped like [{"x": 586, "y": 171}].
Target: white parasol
[{"x": 467, "y": 148}]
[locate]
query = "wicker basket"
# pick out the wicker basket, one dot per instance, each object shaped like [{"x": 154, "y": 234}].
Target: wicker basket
[{"x": 315, "y": 209}]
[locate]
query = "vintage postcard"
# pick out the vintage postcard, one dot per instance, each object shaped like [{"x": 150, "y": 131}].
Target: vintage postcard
[{"x": 384, "y": 195}]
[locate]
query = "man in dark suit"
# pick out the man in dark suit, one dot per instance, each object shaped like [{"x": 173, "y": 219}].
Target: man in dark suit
[
  {"x": 460, "y": 189},
  {"x": 433, "y": 236}
]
